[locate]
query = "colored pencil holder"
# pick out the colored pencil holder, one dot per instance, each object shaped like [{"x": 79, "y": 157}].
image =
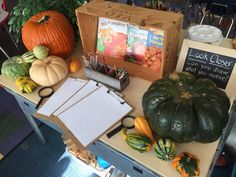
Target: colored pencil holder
[{"x": 100, "y": 76}]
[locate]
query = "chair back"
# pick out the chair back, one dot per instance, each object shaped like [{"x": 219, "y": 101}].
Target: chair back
[{"x": 221, "y": 7}]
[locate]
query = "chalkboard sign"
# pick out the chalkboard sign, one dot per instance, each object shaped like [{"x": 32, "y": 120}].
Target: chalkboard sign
[
  {"x": 209, "y": 61},
  {"x": 204, "y": 64}
]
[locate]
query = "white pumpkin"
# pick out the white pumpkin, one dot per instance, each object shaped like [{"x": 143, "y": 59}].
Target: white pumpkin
[{"x": 48, "y": 71}]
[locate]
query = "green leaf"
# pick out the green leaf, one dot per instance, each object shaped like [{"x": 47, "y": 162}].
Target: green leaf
[
  {"x": 24, "y": 21},
  {"x": 10, "y": 29},
  {"x": 27, "y": 8},
  {"x": 12, "y": 20},
  {"x": 26, "y": 12},
  {"x": 17, "y": 12}
]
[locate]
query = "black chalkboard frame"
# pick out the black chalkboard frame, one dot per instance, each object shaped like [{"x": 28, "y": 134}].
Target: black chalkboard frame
[{"x": 230, "y": 87}]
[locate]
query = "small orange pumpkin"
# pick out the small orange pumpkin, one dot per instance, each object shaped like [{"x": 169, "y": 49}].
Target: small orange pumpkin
[
  {"x": 52, "y": 30},
  {"x": 74, "y": 65},
  {"x": 186, "y": 164}
]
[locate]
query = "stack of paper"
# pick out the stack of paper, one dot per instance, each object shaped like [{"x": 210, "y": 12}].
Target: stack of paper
[{"x": 84, "y": 109}]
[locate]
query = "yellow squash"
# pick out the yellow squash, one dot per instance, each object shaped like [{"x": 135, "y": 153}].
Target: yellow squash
[
  {"x": 25, "y": 85},
  {"x": 142, "y": 126}
]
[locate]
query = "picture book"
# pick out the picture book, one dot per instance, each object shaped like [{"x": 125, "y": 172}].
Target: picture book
[
  {"x": 154, "y": 50},
  {"x": 111, "y": 38},
  {"x": 136, "y": 44}
]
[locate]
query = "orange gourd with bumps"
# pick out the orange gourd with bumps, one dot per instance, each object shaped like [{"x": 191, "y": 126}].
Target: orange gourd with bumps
[{"x": 186, "y": 164}]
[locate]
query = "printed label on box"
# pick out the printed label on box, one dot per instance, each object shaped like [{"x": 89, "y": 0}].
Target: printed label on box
[
  {"x": 136, "y": 44},
  {"x": 111, "y": 38},
  {"x": 154, "y": 50},
  {"x": 155, "y": 38}
]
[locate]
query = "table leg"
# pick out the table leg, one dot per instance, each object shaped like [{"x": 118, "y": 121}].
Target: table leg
[
  {"x": 31, "y": 121},
  {"x": 35, "y": 128}
]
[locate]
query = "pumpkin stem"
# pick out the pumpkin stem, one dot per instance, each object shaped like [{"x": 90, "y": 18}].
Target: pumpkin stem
[
  {"x": 188, "y": 159},
  {"x": 174, "y": 76},
  {"x": 186, "y": 95},
  {"x": 43, "y": 19},
  {"x": 20, "y": 60}
]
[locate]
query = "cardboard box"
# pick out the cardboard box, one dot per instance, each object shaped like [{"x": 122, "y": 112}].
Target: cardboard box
[{"x": 161, "y": 25}]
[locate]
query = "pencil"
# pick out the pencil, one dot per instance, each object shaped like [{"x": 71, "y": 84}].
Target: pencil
[
  {"x": 111, "y": 70},
  {"x": 104, "y": 64}
]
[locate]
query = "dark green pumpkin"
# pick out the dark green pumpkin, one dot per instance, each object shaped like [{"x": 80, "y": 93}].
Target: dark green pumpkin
[{"x": 186, "y": 109}]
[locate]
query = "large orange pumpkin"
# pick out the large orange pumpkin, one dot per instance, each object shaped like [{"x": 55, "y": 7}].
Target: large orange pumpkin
[{"x": 52, "y": 30}]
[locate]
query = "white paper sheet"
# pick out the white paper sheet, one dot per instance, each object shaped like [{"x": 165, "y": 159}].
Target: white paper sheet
[
  {"x": 65, "y": 92},
  {"x": 93, "y": 115},
  {"x": 84, "y": 91}
]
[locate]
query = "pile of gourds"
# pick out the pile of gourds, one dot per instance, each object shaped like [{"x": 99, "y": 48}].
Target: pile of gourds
[
  {"x": 35, "y": 68},
  {"x": 48, "y": 36},
  {"x": 164, "y": 148},
  {"x": 181, "y": 109}
]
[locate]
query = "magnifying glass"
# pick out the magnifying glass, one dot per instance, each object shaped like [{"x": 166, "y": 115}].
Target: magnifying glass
[
  {"x": 44, "y": 92},
  {"x": 127, "y": 121}
]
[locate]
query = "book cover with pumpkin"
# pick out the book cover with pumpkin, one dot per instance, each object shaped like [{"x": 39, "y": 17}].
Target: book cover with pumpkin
[
  {"x": 111, "y": 38},
  {"x": 153, "y": 56},
  {"x": 136, "y": 44}
]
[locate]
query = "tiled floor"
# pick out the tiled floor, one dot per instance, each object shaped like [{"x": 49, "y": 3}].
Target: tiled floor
[{"x": 33, "y": 159}]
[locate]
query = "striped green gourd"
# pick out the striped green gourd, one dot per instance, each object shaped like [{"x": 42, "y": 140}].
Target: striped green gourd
[
  {"x": 165, "y": 149},
  {"x": 27, "y": 57},
  {"x": 136, "y": 141}
]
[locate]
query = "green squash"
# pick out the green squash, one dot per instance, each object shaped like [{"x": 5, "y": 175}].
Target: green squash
[
  {"x": 40, "y": 51},
  {"x": 13, "y": 70},
  {"x": 165, "y": 149},
  {"x": 28, "y": 57},
  {"x": 136, "y": 141},
  {"x": 186, "y": 109}
]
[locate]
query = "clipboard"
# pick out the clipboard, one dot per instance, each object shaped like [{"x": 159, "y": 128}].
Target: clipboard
[
  {"x": 81, "y": 93},
  {"x": 92, "y": 116},
  {"x": 66, "y": 91}
]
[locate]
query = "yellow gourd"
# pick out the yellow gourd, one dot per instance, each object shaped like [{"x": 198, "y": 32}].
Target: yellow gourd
[
  {"x": 25, "y": 85},
  {"x": 142, "y": 126}
]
